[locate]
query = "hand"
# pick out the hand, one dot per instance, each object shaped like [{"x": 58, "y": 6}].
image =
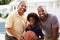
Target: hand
[
  {"x": 40, "y": 39},
  {"x": 20, "y": 38}
]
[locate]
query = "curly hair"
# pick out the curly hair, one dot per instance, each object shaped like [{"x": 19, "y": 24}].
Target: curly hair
[{"x": 34, "y": 15}]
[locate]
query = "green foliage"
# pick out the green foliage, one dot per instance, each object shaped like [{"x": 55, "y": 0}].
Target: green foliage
[
  {"x": 0, "y": 15},
  {"x": 6, "y": 16},
  {"x": 3, "y": 2}
]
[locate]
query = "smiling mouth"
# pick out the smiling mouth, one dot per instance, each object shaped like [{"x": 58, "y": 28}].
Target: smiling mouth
[
  {"x": 31, "y": 23},
  {"x": 42, "y": 15}
]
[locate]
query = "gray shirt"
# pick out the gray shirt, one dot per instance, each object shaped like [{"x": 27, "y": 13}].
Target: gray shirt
[{"x": 51, "y": 22}]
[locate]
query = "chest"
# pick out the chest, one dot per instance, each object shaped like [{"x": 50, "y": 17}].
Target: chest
[
  {"x": 47, "y": 24},
  {"x": 19, "y": 21}
]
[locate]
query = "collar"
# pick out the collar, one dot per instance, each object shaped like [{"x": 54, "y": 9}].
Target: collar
[
  {"x": 34, "y": 25},
  {"x": 18, "y": 14}
]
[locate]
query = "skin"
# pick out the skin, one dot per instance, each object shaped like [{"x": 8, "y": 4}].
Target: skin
[
  {"x": 21, "y": 9},
  {"x": 32, "y": 21},
  {"x": 43, "y": 12}
]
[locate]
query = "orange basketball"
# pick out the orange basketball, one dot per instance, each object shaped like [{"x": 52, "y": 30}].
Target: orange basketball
[{"x": 29, "y": 35}]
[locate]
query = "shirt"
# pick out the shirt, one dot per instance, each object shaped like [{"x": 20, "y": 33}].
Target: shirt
[
  {"x": 51, "y": 22},
  {"x": 35, "y": 29},
  {"x": 16, "y": 22}
]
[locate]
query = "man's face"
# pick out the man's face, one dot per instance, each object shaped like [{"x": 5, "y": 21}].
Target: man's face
[
  {"x": 41, "y": 12},
  {"x": 22, "y": 7}
]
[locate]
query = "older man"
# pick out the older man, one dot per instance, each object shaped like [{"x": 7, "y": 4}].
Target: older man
[
  {"x": 49, "y": 24},
  {"x": 16, "y": 23}
]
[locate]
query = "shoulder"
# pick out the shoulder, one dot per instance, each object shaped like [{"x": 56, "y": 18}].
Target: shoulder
[
  {"x": 11, "y": 16},
  {"x": 37, "y": 26},
  {"x": 12, "y": 13},
  {"x": 52, "y": 17},
  {"x": 29, "y": 27}
]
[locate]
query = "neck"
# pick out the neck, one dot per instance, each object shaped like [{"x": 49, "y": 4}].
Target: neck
[
  {"x": 33, "y": 25},
  {"x": 20, "y": 13}
]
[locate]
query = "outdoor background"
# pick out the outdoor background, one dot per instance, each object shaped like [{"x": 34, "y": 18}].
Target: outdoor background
[{"x": 7, "y": 6}]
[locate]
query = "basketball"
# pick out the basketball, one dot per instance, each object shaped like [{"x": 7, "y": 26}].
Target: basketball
[{"x": 29, "y": 35}]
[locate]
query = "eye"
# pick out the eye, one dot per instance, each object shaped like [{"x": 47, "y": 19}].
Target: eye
[
  {"x": 23, "y": 6},
  {"x": 42, "y": 10}
]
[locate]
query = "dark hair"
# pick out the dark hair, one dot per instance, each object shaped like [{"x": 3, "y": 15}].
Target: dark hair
[{"x": 34, "y": 15}]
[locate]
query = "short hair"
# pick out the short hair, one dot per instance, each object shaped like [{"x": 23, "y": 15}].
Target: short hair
[
  {"x": 42, "y": 7},
  {"x": 21, "y": 3},
  {"x": 34, "y": 15}
]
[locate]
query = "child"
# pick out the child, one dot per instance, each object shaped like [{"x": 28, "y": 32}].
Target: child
[{"x": 34, "y": 26}]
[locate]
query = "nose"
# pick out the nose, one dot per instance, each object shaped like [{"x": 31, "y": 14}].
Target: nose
[
  {"x": 24, "y": 7},
  {"x": 40, "y": 13}
]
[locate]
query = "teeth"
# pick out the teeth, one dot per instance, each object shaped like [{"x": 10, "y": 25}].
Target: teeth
[
  {"x": 31, "y": 23},
  {"x": 42, "y": 15}
]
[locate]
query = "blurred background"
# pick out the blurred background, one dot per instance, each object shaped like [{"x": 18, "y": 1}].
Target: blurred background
[{"x": 7, "y": 6}]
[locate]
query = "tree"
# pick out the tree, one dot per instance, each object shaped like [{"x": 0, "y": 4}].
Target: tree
[
  {"x": 0, "y": 15},
  {"x": 3, "y": 2},
  {"x": 6, "y": 15}
]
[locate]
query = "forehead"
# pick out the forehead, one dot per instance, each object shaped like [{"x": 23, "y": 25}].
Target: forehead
[
  {"x": 32, "y": 18},
  {"x": 40, "y": 9},
  {"x": 23, "y": 3}
]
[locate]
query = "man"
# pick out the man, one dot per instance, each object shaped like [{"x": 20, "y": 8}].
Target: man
[
  {"x": 16, "y": 23},
  {"x": 49, "y": 24}
]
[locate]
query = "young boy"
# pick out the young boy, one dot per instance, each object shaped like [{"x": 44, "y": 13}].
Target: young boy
[{"x": 33, "y": 25}]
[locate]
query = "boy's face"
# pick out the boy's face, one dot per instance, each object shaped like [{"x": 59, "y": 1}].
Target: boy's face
[{"x": 32, "y": 20}]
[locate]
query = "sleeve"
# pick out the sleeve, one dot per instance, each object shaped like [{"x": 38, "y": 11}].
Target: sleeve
[
  {"x": 26, "y": 24},
  {"x": 9, "y": 22},
  {"x": 55, "y": 22}
]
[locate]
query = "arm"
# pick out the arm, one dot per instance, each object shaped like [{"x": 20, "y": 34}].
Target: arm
[
  {"x": 12, "y": 32},
  {"x": 26, "y": 24},
  {"x": 9, "y": 26},
  {"x": 55, "y": 27},
  {"x": 55, "y": 33}
]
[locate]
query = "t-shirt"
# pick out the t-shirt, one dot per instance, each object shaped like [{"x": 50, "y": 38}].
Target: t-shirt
[
  {"x": 51, "y": 22},
  {"x": 35, "y": 29}
]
